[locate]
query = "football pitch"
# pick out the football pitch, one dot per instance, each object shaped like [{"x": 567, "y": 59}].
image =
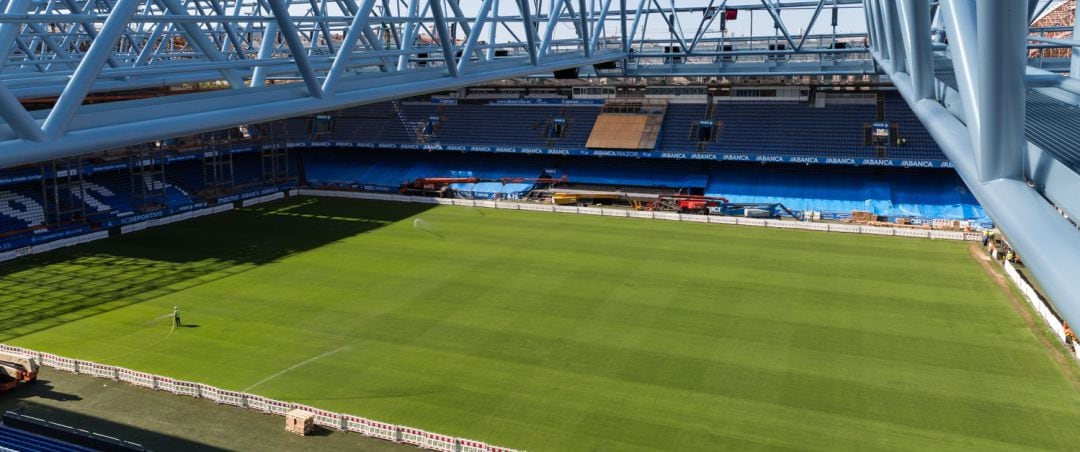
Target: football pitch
[{"x": 553, "y": 332}]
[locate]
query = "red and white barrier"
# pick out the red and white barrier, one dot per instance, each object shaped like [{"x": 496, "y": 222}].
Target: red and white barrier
[
  {"x": 468, "y": 445},
  {"x": 210, "y": 393},
  {"x": 376, "y": 429},
  {"x": 412, "y": 436},
  {"x": 323, "y": 417},
  {"x": 59, "y": 362},
  {"x": 231, "y": 398},
  {"x": 255, "y": 402},
  {"x": 20, "y": 351},
  {"x": 165, "y": 384},
  {"x": 278, "y": 407},
  {"x": 355, "y": 424},
  {"x": 435, "y": 441},
  {"x": 337, "y": 421},
  {"x": 134, "y": 377},
  {"x": 186, "y": 388}
]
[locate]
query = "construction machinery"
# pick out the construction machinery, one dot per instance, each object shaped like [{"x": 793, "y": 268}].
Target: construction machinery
[
  {"x": 440, "y": 186},
  {"x": 16, "y": 369},
  {"x": 434, "y": 186},
  {"x": 712, "y": 205}
]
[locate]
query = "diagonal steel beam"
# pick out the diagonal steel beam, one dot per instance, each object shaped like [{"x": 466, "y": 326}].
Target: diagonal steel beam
[
  {"x": 296, "y": 47},
  {"x": 100, "y": 50}
]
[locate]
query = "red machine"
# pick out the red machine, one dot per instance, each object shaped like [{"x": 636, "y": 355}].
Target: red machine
[
  {"x": 697, "y": 204},
  {"x": 426, "y": 185}
]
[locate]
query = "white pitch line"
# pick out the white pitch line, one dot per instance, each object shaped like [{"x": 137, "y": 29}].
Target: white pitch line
[{"x": 294, "y": 366}]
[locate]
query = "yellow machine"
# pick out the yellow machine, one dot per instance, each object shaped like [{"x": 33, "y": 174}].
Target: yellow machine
[{"x": 570, "y": 199}]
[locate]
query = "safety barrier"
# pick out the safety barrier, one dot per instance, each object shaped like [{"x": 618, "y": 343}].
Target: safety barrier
[
  {"x": 670, "y": 216},
  {"x": 329, "y": 419},
  {"x": 1041, "y": 306},
  {"x": 136, "y": 378}
]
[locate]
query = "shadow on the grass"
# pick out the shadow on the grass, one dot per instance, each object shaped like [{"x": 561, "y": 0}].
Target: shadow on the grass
[{"x": 44, "y": 291}]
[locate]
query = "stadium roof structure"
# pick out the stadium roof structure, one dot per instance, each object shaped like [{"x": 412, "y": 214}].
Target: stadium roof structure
[{"x": 1008, "y": 122}]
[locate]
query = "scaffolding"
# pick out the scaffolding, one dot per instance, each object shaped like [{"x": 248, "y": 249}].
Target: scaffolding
[
  {"x": 275, "y": 153},
  {"x": 63, "y": 191},
  {"x": 147, "y": 164},
  {"x": 218, "y": 175}
]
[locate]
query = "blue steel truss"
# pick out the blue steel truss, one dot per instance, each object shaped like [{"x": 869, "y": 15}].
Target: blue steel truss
[{"x": 280, "y": 58}]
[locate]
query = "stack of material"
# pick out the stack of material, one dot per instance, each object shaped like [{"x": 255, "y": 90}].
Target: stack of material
[
  {"x": 860, "y": 216},
  {"x": 300, "y": 422}
]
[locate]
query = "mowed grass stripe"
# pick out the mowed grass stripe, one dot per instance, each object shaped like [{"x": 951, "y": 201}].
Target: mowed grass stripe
[{"x": 564, "y": 332}]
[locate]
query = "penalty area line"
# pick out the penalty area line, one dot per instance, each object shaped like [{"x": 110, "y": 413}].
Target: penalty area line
[{"x": 294, "y": 367}]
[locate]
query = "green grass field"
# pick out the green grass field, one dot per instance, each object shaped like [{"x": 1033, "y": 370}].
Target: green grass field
[{"x": 563, "y": 332}]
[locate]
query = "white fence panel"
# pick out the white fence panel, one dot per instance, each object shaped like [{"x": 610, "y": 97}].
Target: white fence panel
[
  {"x": 590, "y": 211},
  {"x": 425, "y": 200},
  {"x": 537, "y": 207},
  {"x": 723, "y": 220},
  {"x": 848, "y": 228},
  {"x": 59, "y": 362},
  {"x": 132, "y": 228},
  {"x": 1036, "y": 301},
  {"x": 255, "y": 402},
  {"x": 412, "y": 436},
  {"x": 135, "y": 377},
  {"x": 444, "y": 201},
  {"x": 780, "y": 224},
  {"x": 165, "y": 384},
  {"x": 639, "y": 214},
  {"x": 278, "y": 407},
  {"x": 614, "y": 212},
  {"x": 435, "y": 441},
  {"x": 507, "y": 205},
  {"x": 877, "y": 230},
  {"x": 695, "y": 218},
  {"x": 324, "y": 418},
  {"x": 354, "y": 423},
  {"x": 376, "y": 429},
  {"x": 566, "y": 209},
  {"x": 185, "y": 388},
  {"x": 211, "y": 393},
  {"x": 666, "y": 216},
  {"x": 468, "y": 445},
  {"x": 464, "y": 202},
  {"x": 488, "y": 204},
  {"x": 231, "y": 398},
  {"x": 908, "y": 232},
  {"x": 947, "y": 235},
  {"x": 750, "y": 221}
]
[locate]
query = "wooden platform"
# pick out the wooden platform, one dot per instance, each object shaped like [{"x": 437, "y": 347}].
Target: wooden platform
[{"x": 623, "y": 131}]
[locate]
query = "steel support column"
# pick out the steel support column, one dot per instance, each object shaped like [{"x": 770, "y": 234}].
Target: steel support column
[
  {"x": 1002, "y": 61},
  {"x": 915, "y": 16},
  {"x": 1074, "y": 68}
]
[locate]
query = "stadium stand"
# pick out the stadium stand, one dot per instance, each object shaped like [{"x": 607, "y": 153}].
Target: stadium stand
[
  {"x": 840, "y": 190},
  {"x": 386, "y": 171},
  {"x": 762, "y": 128},
  {"x": 18, "y": 440},
  {"x": 832, "y": 190},
  {"x": 743, "y": 127}
]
